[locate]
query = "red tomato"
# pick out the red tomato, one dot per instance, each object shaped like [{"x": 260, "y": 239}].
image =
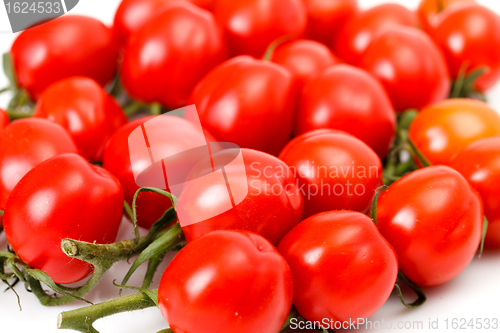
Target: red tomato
[
  {"x": 326, "y": 18},
  {"x": 334, "y": 170},
  {"x": 251, "y": 25},
  {"x": 63, "y": 197},
  {"x": 4, "y": 119},
  {"x": 181, "y": 134},
  {"x": 26, "y": 143},
  {"x": 67, "y": 46},
  {"x": 272, "y": 206},
  {"x": 349, "y": 99},
  {"x": 433, "y": 218},
  {"x": 166, "y": 58},
  {"x": 304, "y": 58},
  {"x": 89, "y": 114},
  {"x": 132, "y": 15},
  {"x": 342, "y": 268},
  {"x": 430, "y": 11},
  {"x": 357, "y": 34},
  {"x": 226, "y": 281},
  {"x": 479, "y": 163},
  {"x": 248, "y": 102},
  {"x": 469, "y": 36},
  {"x": 444, "y": 129},
  {"x": 409, "y": 65}
]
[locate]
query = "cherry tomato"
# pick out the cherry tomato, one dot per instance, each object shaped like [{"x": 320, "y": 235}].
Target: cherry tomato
[
  {"x": 70, "y": 45},
  {"x": 433, "y": 218},
  {"x": 89, "y": 114},
  {"x": 4, "y": 119},
  {"x": 181, "y": 135},
  {"x": 469, "y": 36},
  {"x": 334, "y": 170},
  {"x": 357, "y": 34},
  {"x": 342, "y": 268},
  {"x": 444, "y": 129},
  {"x": 272, "y": 206},
  {"x": 305, "y": 59},
  {"x": 251, "y": 25},
  {"x": 479, "y": 163},
  {"x": 430, "y": 11},
  {"x": 26, "y": 143},
  {"x": 226, "y": 281},
  {"x": 326, "y": 18},
  {"x": 132, "y": 15},
  {"x": 410, "y": 66},
  {"x": 248, "y": 102},
  {"x": 63, "y": 197},
  {"x": 163, "y": 65},
  {"x": 349, "y": 99}
]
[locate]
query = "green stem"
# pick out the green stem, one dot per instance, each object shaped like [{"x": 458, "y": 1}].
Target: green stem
[
  {"x": 274, "y": 45},
  {"x": 172, "y": 198},
  {"x": 373, "y": 209},
  {"x": 128, "y": 210},
  {"x": 293, "y": 314},
  {"x": 20, "y": 112},
  {"x": 153, "y": 264},
  {"x": 420, "y": 293},
  {"x": 169, "y": 239},
  {"x": 440, "y": 6},
  {"x": 5, "y": 90},
  {"x": 133, "y": 107},
  {"x": 459, "y": 83},
  {"x": 483, "y": 236},
  {"x": 155, "y": 109},
  {"x": 82, "y": 319},
  {"x": 101, "y": 256}
]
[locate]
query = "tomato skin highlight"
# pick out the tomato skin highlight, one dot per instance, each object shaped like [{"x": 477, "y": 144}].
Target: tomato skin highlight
[
  {"x": 26, "y": 143},
  {"x": 479, "y": 163},
  {"x": 326, "y": 18},
  {"x": 251, "y": 25},
  {"x": 429, "y": 11},
  {"x": 349, "y": 99},
  {"x": 342, "y": 171},
  {"x": 271, "y": 208},
  {"x": 467, "y": 44},
  {"x": 342, "y": 268},
  {"x": 305, "y": 59},
  {"x": 132, "y": 15},
  {"x": 240, "y": 274},
  {"x": 41, "y": 59},
  {"x": 409, "y": 65},
  {"x": 169, "y": 133},
  {"x": 174, "y": 64},
  {"x": 444, "y": 129},
  {"x": 248, "y": 102},
  {"x": 63, "y": 197},
  {"x": 357, "y": 34},
  {"x": 4, "y": 119},
  {"x": 85, "y": 110},
  {"x": 433, "y": 218}
]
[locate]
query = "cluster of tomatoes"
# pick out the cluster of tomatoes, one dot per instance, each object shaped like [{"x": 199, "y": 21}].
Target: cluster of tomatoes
[{"x": 328, "y": 103}]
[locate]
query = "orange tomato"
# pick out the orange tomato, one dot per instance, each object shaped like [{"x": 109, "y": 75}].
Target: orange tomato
[
  {"x": 444, "y": 129},
  {"x": 429, "y": 11}
]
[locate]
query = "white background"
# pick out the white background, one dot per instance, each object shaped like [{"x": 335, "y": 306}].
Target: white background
[{"x": 474, "y": 294}]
